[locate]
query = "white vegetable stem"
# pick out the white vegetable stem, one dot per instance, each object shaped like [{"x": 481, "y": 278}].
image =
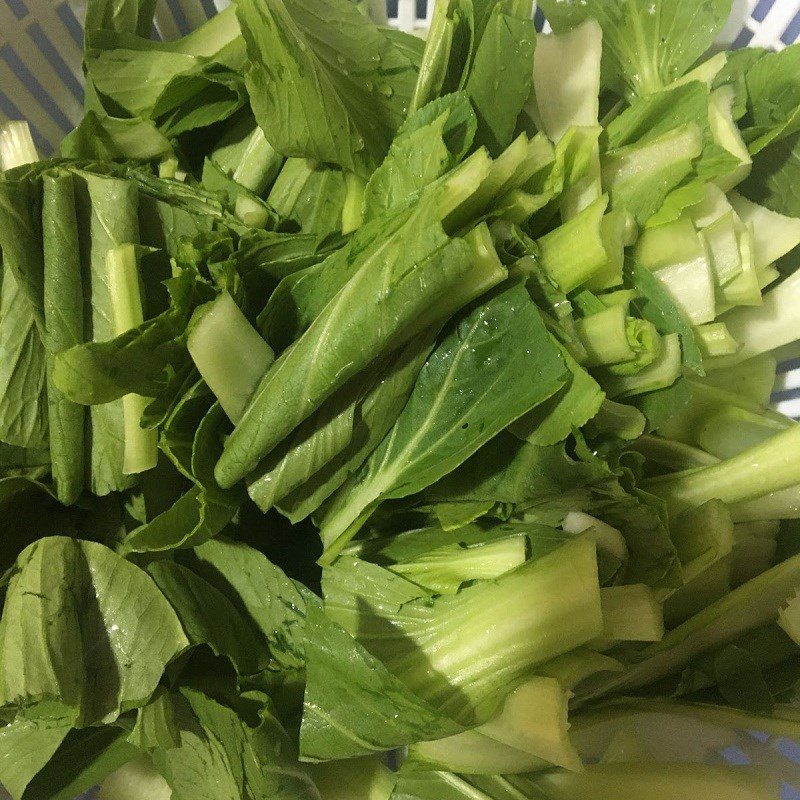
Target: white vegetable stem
[
  {"x": 768, "y": 467},
  {"x": 760, "y": 329},
  {"x": 783, "y": 504},
  {"x": 366, "y": 777},
  {"x": 134, "y": 780},
  {"x": 529, "y": 733},
  {"x": 656, "y": 782},
  {"x": 774, "y": 235},
  {"x": 726, "y": 134},
  {"x": 750, "y": 606},
  {"x": 607, "y": 539},
  {"x": 705, "y": 72},
  {"x": 16, "y": 145},
  {"x": 566, "y": 78},
  {"x": 229, "y": 353},
  {"x": 141, "y": 446},
  {"x": 675, "y": 254},
  {"x": 630, "y": 614}
]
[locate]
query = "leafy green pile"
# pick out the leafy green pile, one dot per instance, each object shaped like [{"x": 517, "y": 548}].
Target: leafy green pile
[{"x": 485, "y": 325}]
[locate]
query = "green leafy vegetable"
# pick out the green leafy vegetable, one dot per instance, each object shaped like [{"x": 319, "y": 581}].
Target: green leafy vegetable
[
  {"x": 427, "y": 146},
  {"x": 84, "y": 758},
  {"x": 646, "y": 46},
  {"x": 445, "y": 420},
  {"x": 304, "y": 376},
  {"x": 312, "y": 196},
  {"x": 97, "y": 657},
  {"x": 109, "y": 206},
  {"x": 38, "y": 738},
  {"x": 429, "y": 387},
  {"x": 23, "y": 402},
  {"x": 373, "y": 415},
  {"x": 429, "y": 648},
  {"x": 502, "y": 75},
  {"x": 324, "y": 61},
  {"x": 63, "y": 315},
  {"x": 221, "y": 755},
  {"x": 343, "y": 677},
  {"x": 448, "y": 52}
]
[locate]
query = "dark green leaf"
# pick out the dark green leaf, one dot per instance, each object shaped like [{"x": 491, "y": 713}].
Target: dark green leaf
[
  {"x": 109, "y": 637},
  {"x": 23, "y": 400},
  {"x": 261, "y": 592},
  {"x": 572, "y": 407},
  {"x": 431, "y": 142},
  {"x": 103, "y": 137},
  {"x": 197, "y": 101},
  {"x": 740, "y": 682},
  {"x": 332, "y": 443},
  {"x": 494, "y": 365},
  {"x": 196, "y": 517},
  {"x": 23, "y": 403},
  {"x": 63, "y": 314},
  {"x": 419, "y": 265},
  {"x": 773, "y": 95},
  {"x": 640, "y": 517},
  {"x": 21, "y": 239},
  {"x": 775, "y": 179},
  {"x": 507, "y": 470},
  {"x": 324, "y": 80},
  {"x": 221, "y": 756},
  {"x": 209, "y": 617},
  {"x": 502, "y": 75}
]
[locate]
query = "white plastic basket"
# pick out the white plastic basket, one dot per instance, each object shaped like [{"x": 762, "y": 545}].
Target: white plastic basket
[
  {"x": 40, "y": 80},
  {"x": 41, "y": 42}
]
